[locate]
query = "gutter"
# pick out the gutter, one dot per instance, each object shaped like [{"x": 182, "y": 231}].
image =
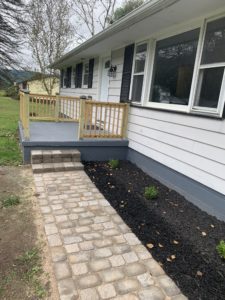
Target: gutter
[{"x": 146, "y": 10}]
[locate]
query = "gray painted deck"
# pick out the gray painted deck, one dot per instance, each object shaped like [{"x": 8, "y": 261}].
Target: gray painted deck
[
  {"x": 63, "y": 135},
  {"x": 53, "y": 131}
]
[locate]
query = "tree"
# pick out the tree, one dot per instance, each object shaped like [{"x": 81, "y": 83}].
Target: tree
[
  {"x": 11, "y": 21},
  {"x": 126, "y": 8},
  {"x": 92, "y": 16},
  {"x": 49, "y": 34}
]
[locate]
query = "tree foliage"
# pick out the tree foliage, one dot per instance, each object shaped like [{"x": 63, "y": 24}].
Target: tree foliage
[
  {"x": 92, "y": 16},
  {"x": 49, "y": 32},
  {"x": 11, "y": 24},
  {"x": 126, "y": 8}
]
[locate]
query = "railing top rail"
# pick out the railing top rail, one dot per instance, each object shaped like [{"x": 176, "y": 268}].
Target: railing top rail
[
  {"x": 54, "y": 96},
  {"x": 105, "y": 103},
  {"x": 69, "y": 97},
  {"x": 40, "y": 95}
]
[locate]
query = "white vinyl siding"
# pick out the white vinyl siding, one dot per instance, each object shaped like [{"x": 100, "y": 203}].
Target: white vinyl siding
[
  {"x": 115, "y": 82},
  {"x": 192, "y": 146}
]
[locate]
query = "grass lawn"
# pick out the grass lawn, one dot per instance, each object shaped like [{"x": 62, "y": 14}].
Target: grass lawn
[{"x": 9, "y": 115}]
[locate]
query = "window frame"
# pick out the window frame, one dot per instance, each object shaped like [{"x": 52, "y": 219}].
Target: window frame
[
  {"x": 168, "y": 106},
  {"x": 194, "y": 109},
  {"x": 144, "y": 73},
  {"x": 149, "y": 72},
  {"x": 85, "y": 86}
]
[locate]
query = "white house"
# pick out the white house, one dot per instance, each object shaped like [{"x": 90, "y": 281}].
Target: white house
[{"x": 168, "y": 58}]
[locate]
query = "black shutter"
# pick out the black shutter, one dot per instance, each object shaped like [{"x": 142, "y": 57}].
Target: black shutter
[
  {"x": 127, "y": 70},
  {"x": 68, "y": 77},
  {"x": 61, "y": 78},
  {"x": 91, "y": 71},
  {"x": 78, "y": 76}
]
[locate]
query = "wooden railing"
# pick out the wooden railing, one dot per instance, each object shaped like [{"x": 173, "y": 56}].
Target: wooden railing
[
  {"x": 96, "y": 119},
  {"x": 54, "y": 108},
  {"x": 103, "y": 120}
]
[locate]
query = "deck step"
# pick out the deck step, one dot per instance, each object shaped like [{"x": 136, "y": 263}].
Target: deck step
[
  {"x": 56, "y": 167},
  {"x": 54, "y": 156}
]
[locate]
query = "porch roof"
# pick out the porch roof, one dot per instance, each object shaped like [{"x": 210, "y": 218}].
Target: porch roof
[{"x": 153, "y": 16}]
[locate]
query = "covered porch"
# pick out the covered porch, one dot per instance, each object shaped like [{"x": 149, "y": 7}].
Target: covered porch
[{"x": 96, "y": 129}]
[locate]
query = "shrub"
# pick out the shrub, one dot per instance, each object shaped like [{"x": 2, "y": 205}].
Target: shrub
[
  {"x": 12, "y": 92},
  {"x": 11, "y": 201},
  {"x": 114, "y": 163},
  {"x": 221, "y": 249},
  {"x": 151, "y": 192}
]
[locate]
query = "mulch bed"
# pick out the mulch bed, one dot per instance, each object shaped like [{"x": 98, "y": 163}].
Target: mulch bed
[{"x": 183, "y": 236}]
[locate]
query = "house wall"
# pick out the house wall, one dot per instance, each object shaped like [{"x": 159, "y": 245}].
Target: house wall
[
  {"x": 191, "y": 145},
  {"x": 194, "y": 146},
  {"x": 115, "y": 82},
  {"x": 84, "y": 91},
  {"x": 37, "y": 87}
]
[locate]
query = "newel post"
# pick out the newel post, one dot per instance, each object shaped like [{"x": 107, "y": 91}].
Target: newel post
[
  {"x": 57, "y": 107},
  {"x": 125, "y": 120},
  {"x": 26, "y": 114},
  {"x": 82, "y": 119}
]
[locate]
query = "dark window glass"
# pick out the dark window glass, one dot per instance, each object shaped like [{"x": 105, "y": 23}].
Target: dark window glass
[
  {"x": 214, "y": 44},
  {"x": 137, "y": 88},
  {"x": 173, "y": 68},
  {"x": 140, "y": 57},
  {"x": 86, "y": 73},
  {"x": 209, "y": 86}
]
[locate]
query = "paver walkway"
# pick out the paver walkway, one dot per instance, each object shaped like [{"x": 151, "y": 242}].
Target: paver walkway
[{"x": 94, "y": 253}]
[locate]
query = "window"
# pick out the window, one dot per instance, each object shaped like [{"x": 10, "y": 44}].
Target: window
[
  {"x": 86, "y": 74},
  {"x": 173, "y": 68},
  {"x": 208, "y": 96},
  {"x": 138, "y": 72}
]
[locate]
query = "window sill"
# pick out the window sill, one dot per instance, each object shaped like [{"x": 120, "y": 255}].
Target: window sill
[{"x": 193, "y": 114}]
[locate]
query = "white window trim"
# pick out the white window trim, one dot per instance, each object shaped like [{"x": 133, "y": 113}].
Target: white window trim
[
  {"x": 167, "y": 106},
  {"x": 218, "y": 112},
  {"x": 140, "y": 73},
  {"x": 149, "y": 68},
  {"x": 85, "y": 86}
]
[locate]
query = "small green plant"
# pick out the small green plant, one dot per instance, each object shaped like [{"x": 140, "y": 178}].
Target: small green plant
[
  {"x": 221, "y": 249},
  {"x": 114, "y": 163},
  {"x": 151, "y": 192},
  {"x": 11, "y": 201}
]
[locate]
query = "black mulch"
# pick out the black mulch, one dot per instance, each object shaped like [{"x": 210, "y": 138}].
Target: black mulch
[{"x": 184, "y": 237}]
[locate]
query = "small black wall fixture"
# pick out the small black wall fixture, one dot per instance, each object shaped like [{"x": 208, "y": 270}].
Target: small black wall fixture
[{"x": 112, "y": 71}]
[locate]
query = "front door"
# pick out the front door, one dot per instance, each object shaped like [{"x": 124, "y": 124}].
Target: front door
[{"x": 105, "y": 79}]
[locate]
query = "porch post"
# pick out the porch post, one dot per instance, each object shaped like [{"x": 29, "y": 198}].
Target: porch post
[
  {"x": 26, "y": 114},
  {"x": 57, "y": 106},
  {"x": 125, "y": 120},
  {"x": 81, "y": 119}
]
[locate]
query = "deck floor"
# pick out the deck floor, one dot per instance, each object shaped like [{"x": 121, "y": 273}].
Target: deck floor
[{"x": 54, "y": 131}]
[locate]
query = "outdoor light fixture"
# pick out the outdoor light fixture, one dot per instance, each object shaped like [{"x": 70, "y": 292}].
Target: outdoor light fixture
[{"x": 112, "y": 71}]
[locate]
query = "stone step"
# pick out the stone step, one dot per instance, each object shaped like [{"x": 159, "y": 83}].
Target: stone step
[
  {"x": 57, "y": 167},
  {"x": 54, "y": 156}
]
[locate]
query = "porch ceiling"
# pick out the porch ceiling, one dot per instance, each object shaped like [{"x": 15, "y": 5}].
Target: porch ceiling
[{"x": 155, "y": 18}]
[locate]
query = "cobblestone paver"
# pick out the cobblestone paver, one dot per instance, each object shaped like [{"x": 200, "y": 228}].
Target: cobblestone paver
[{"x": 94, "y": 253}]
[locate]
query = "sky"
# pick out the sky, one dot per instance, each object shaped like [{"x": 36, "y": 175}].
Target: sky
[{"x": 26, "y": 54}]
